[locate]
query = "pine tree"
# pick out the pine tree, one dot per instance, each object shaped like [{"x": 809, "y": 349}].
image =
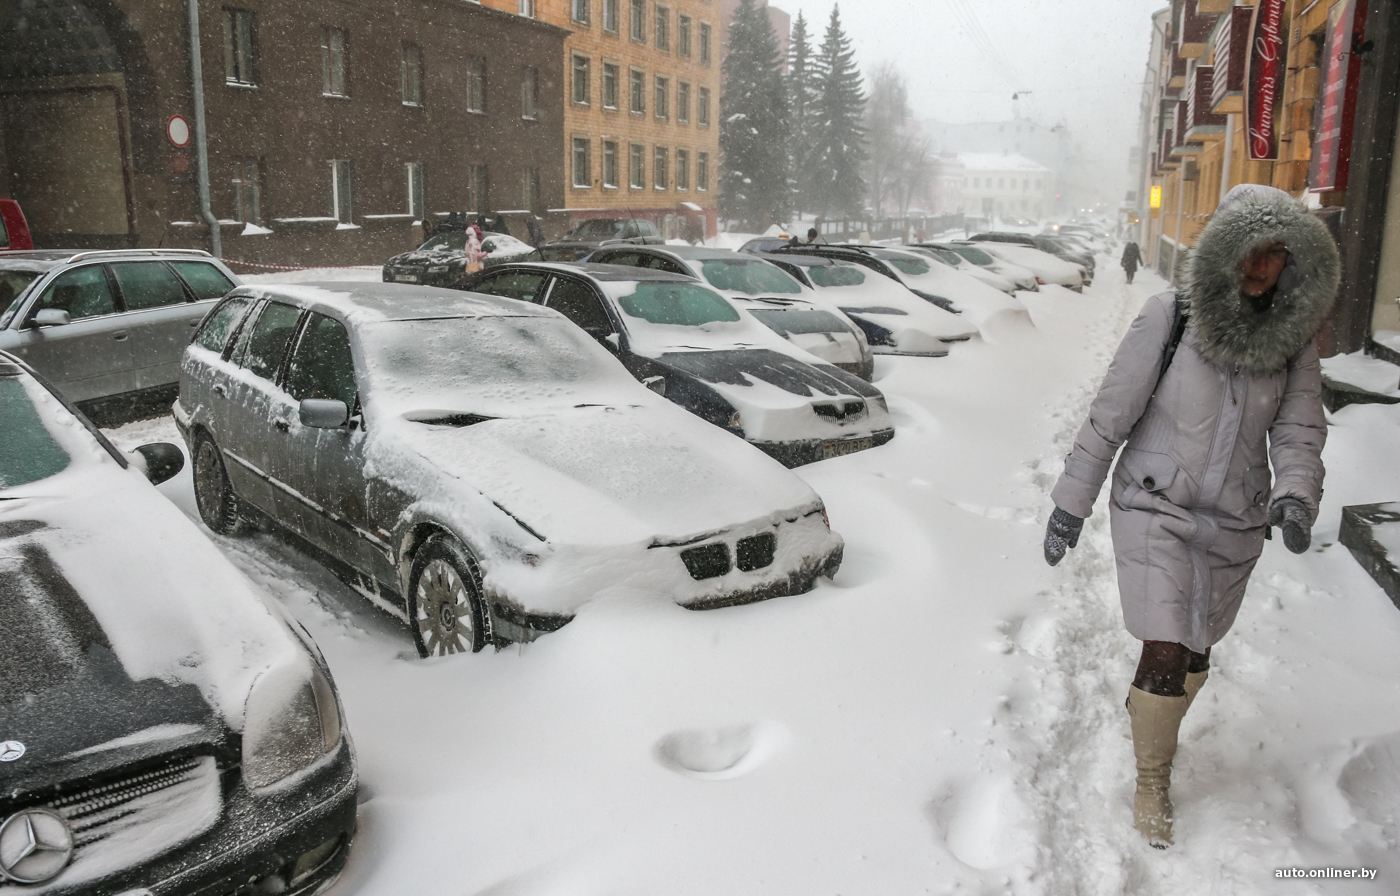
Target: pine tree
[
  {"x": 838, "y": 146},
  {"x": 802, "y": 101},
  {"x": 753, "y": 128}
]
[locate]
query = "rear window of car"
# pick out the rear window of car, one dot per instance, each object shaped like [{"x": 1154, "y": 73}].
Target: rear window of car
[
  {"x": 204, "y": 280},
  {"x": 837, "y": 275},
  {"x": 792, "y": 322},
  {"x": 677, "y": 305},
  {"x": 29, "y": 452},
  {"x": 749, "y": 277},
  {"x": 910, "y": 266},
  {"x": 219, "y": 325},
  {"x": 148, "y": 284},
  {"x": 947, "y": 256},
  {"x": 976, "y": 256},
  {"x": 12, "y": 286},
  {"x": 599, "y": 229}
]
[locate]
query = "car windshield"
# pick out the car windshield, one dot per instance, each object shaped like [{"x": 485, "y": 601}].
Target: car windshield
[
  {"x": 672, "y": 303},
  {"x": 837, "y": 275},
  {"x": 484, "y": 365},
  {"x": 28, "y": 452},
  {"x": 909, "y": 265},
  {"x": 748, "y": 277},
  {"x": 974, "y": 255},
  {"x": 599, "y": 229},
  {"x": 454, "y": 240},
  {"x": 947, "y": 256},
  {"x": 12, "y": 286}
]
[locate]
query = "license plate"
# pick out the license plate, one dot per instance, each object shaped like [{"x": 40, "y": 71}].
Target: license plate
[
  {"x": 842, "y": 447},
  {"x": 406, "y": 278}
]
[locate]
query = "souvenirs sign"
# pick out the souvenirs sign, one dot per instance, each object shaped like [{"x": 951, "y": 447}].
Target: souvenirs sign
[{"x": 1268, "y": 63}]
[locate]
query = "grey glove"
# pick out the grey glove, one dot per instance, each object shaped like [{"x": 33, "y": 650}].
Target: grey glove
[
  {"x": 1061, "y": 534},
  {"x": 1291, "y": 515}
]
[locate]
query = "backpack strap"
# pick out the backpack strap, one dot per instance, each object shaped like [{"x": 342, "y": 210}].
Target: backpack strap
[{"x": 1180, "y": 317}]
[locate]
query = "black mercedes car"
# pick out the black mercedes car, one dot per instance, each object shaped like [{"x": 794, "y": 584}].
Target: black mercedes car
[{"x": 165, "y": 727}]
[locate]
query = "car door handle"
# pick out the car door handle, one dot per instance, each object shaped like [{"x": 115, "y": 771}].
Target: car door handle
[
  {"x": 120, "y": 335},
  {"x": 281, "y": 425},
  {"x": 219, "y": 389}
]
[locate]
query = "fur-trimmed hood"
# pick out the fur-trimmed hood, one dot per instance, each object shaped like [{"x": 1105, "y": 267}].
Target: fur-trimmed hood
[{"x": 1227, "y": 328}]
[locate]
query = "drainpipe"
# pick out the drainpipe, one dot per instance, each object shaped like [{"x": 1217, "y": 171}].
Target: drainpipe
[
  {"x": 201, "y": 133},
  {"x": 1229, "y": 153},
  {"x": 1180, "y": 201}
]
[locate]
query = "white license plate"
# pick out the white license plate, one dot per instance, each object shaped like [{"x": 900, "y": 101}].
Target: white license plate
[
  {"x": 842, "y": 447},
  {"x": 406, "y": 278}
]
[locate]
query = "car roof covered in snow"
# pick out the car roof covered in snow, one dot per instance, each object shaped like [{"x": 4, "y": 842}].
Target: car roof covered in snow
[
  {"x": 601, "y": 272},
  {"x": 391, "y": 301},
  {"x": 695, "y": 253},
  {"x": 806, "y": 261}
]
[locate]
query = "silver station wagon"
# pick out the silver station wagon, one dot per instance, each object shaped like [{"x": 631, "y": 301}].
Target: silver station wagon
[
  {"x": 479, "y": 467},
  {"x": 107, "y": 328}
]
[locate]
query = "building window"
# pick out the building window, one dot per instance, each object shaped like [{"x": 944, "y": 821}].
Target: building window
[
  {"x": 479, "y": 189},
  {"x": 636, "y": 167},
  {"x": 583, "y": 174},
  {"x": 412, "y": 76},
  {"x": 682, "y": 102},
  {"x": 1025, "y": 185},
  {"x": 530, "y": 94},
  {"x": 247, "y": 192},
  {"x": 581, "y": 11},
  {"x": 527, "y": 8},
  {"x": 663, "y": 97},
  {"x": 610, "y": 15},
  {"x": 342, "y": 176},
  {"x": 1037, "y": 185},
  {"x": 1001, "y": 183},
  {"x": 702, "y": 110},
  {"x": 476, "y": 84},
  {"x": 660, "y": 164},
  {"x": 609, "y": 85},
  {"x": 704, "y": 43},
  {"x": 413, "y": 178},
  {"x": 639, "y": 91},
  {"x": 333, "y": 62},
  {"x": 610, "y": 164},
  {"x": 639, "y": 20},
  {"x": 530, "y": 190},
  {"x": 683, "y": 35},
  {"x": 239, "y": 43},
  {"x": 977, "y": 183},
  {"x": 663, "y": 28},
  {"x": 581, "y": 79},
  {"x": 682, "y": 169},
  {"x": 702, "y": 171}
]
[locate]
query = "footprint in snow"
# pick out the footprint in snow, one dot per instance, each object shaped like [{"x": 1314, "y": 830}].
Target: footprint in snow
[
  {"x": 716, "y": 754},
  {"x": 1022, "y": 515}
]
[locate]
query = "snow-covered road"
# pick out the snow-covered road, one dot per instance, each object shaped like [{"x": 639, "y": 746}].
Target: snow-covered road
[{"x": 946, "y": 717}]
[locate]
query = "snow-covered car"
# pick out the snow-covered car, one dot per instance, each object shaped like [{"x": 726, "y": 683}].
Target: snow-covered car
[
  {"x": 1050, "y": 245},
  {"x": 701, "y": 352},
  {"x": 588, "y": 235},
  {"x": 1023, "y": 278},
  {"x": 1047, "y": 268},
  {"x": 963, "y": 266},
  {"x": 767, "y": 292},
  {"x": 442, "y": 260},
  {"x": 167, "y": 727},
  {"x": 107, "y": 327},
  {"x": 478, "y": 466},
  {"x": 895, "y": 321}
]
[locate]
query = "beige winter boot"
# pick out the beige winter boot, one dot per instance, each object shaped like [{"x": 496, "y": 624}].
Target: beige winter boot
[
  {"x": 1155, "y": 723},
  {"x": 1194, "y": 682}
]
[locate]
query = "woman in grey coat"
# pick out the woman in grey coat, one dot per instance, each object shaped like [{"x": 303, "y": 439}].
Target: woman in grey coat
[{"x": 1207, "y": 388}]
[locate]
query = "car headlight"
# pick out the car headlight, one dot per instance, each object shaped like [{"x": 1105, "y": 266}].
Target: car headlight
[{"x": 290, "y": 721}]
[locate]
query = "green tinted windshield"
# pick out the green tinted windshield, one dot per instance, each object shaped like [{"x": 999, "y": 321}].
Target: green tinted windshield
[
  {"x": 837, "y": 275},
  {"x": 911, "y": 266},
  {"x": 677, "y": 304},
  {"x": 749, "y": 277},
  {"x": 28, "y": 452}
]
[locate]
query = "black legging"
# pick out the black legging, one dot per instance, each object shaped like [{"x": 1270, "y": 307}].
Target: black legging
[{"x": 1163, "y": 667}]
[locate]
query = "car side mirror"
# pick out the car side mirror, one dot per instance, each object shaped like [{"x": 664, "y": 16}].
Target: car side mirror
[
  {"x": 160, "y": 461},
  {"x": 656, "y": 384},
  {"x": 52, "y": 317},
  {"x": 323, "y": 413}
]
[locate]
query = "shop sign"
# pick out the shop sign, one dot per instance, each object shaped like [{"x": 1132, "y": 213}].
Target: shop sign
[
  {"x": 1155, "y": 199},
  {"x": 1336, "y": 106},
  {"x": 1268, "y": 63}
]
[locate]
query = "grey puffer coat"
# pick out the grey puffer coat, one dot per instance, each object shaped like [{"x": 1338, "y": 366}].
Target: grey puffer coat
[{"x": 1192, "y": 489}]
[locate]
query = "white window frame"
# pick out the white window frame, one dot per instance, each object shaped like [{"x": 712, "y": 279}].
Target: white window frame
[
  {"x": 411, "y": 80},
  {"x": 636, "y": 166},
  {"x": 343, "y": 191},
  {"x": 530, "y": 94},
  {"x": 413, "y": 180},
  {"x": 702, "y": 172},
  {"x": 660, "y": 168},
  {"x": 581, "y": 149},
  {"x": 610, "y": 165},
  {"x": 661, "y": 89},
  {"x": 476, "y": 84},
  {"x": 240, "y": 43},
  {"x": 333, "y": 68},
  {"x": 575, "y": 81}
]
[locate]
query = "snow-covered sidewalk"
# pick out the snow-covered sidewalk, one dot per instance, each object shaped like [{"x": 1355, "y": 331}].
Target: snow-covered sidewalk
[{"x": 946, "y": 717}]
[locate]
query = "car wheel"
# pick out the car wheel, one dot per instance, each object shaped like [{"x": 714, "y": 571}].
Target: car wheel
[
  {"x": 444, "y": 599},
  {"x": 218, "y": 505}
]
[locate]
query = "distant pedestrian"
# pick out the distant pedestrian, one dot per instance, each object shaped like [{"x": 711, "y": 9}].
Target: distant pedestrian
[
  {"x": 1192, "y": 499},
  {"x": 1132, "y": 257},
  {"x": 475, "y": 255}
]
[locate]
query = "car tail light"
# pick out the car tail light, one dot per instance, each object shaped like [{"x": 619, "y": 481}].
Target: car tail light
[
  {"x": 756, "y": 551},
  {"x": 707, "y": 561}
]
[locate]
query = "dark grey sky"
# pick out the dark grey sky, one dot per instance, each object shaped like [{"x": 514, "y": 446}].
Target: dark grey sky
[{"x": 1082, "y": 60}]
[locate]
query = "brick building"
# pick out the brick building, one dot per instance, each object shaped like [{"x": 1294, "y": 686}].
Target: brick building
[
  {"x": 640, "y": 109},
  {"x": 332, "y": 126}
]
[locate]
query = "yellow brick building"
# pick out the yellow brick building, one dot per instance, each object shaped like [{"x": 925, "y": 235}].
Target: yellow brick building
[{"x": 641, "y": 120}]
